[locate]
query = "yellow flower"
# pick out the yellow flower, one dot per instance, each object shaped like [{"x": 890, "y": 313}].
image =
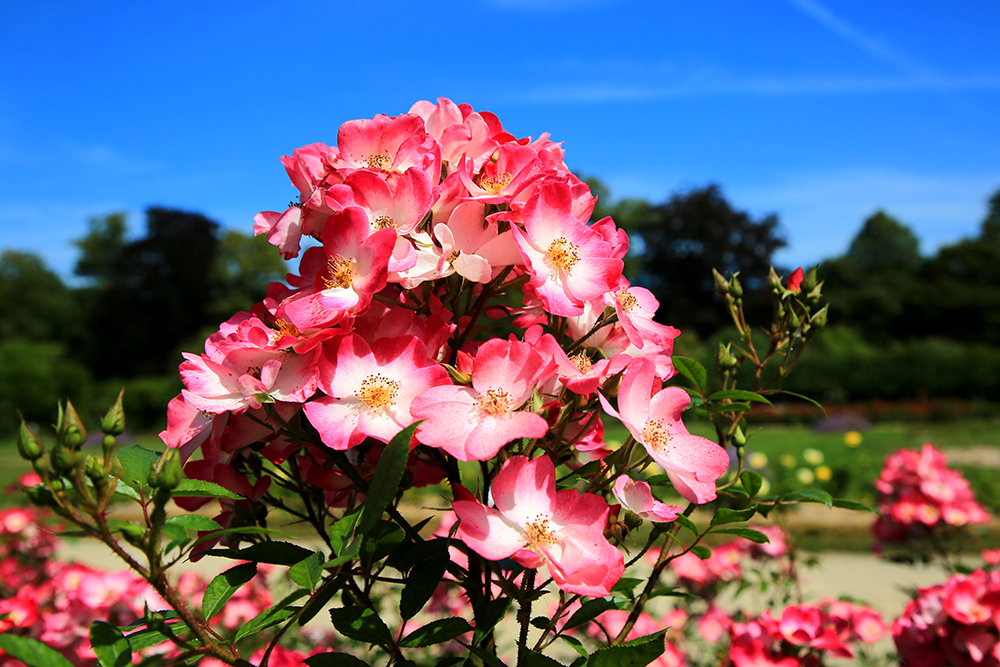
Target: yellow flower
[
  {"x": 852, "y": 438},
  {"x": 823, "y": 473},
  {"x": 805, "y": 476}
]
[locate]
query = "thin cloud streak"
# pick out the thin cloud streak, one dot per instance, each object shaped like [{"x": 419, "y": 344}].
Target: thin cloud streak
[
  {"x": 874, "y": 47},
  {"x": 594, "y": 93}
]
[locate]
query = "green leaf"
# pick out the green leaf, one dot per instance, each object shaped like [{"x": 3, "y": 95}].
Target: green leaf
[
  {"x": 308, "y": 572},
  {"x": 751, "y": 481},
  {"x": 729, "y": 407},
  {"x": 275, "y": 553},
  {"x": 809, "y": 496},
  {"x": 272, "y": 616},
  {"x": 32, "y": 652},
  {"x": 436, "y": 632},
  {"x": 317, "y": 602},
  {"x": 193, "y": 522},
  {"x": 123, "y": 489},
  {"x": 362, "y": 625},
  {"x": 737, "y": 394},
  {"x": 804, "y": 398},
  {"x": 381, "y": 542},
  {"x": 576, "y": 644},
  {"x": 137, "y": 461},
  {"x": 175, "y": 532},
  {"x": 590, "y": 610},
  {"x": 198, "y": 488},
  {"x": 530, "y": 658},
  {"x": 636, "y": 653},
  {"x": 494, "y": 612},
  {"x": 385, "y": 481},
  {"x": 223, "y": 587},
  {"x": 748, "y": 533},
  {"x": 109, "y": 645},
  {"x": 146, "y": 638},
  {"x": 725, "y": 515},
  {"x": 701, "y": 551},
  {"x": 487, "y": 657},
  {"x": 687, "y": 523},
  {"x": 242, "y": 530},
  {"x": 692, "y": 370},
  {"x": 421, "y": 584},
  {"x": 625, "y": 585},
  {"x": 846, "y": 504},
  {"x": 334, "y": 660},
  {"x": 342, "y": 531},
  {"x": 656, "y": 480}
]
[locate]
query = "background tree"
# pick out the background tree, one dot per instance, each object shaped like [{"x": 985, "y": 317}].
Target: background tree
[{"x": 678, "y": 243}]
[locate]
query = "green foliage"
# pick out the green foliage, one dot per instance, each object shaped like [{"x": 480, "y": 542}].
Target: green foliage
[{"x": 34, "y": 376}]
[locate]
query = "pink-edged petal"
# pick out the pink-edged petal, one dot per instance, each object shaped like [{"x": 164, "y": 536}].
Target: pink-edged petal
[
  {"x": 485, "y": 530},
  {"x": 525, "y": 488},
  {"x": 336, "y": 420}
]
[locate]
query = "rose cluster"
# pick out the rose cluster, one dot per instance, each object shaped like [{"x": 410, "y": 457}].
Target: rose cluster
[
  {"x": 429, "y": 232},
  {"x": 955, "y": 623},
  {"x": 920, "y": 498}
]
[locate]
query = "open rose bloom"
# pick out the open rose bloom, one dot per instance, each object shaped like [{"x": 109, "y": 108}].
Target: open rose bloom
[{"x": 418, "y": 224}]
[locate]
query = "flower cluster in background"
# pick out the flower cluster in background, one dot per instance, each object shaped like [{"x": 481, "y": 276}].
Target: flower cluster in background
[{"x": 921, "y": 500}]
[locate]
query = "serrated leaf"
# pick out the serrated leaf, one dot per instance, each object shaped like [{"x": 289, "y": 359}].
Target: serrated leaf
[
  {"x": 747, "y": 533},
  {"x": 487, "y": 657},
  {"x": 193, "y": 522},
  {"x": 576, "y": 644},
  {"x": 625, "y": 585},
  {"x": 656, "y": 480},
  {"x": 494, "y": 612},
  {"x": 636, "y": 653},
  {"x": 316, "y": 603},
  {"x": 272, "y": 616},
  {"x": 168, "y": 615},
  {"x": 738, "y": 406},
  {"x": 362, "y": 625},
  {"x": 724, "y": 515},
  {"x": 137, "y": 461},
  {"x": 175, "y": 532},
  {"x": 122, "y": 488},
  {"x": 308, "y": 572},
  {"x": 110, "y": 645},
  {"x": 692, "y": 370},
  {"x": 846, "y": 504},
  {"x": 701, "y": 551},
  {"x": 334, "y": 659},
  {"x": 809, "y": 496},
  {"x": 590, "y": 610},
  {"x": 342, "y": 531},
  {"x": 199, "y": 488},
  {"x": 275, "y": 553},
  {"x": 222, "y": 587},
  {"x": 32, "y": 652},
  {"x": 424, "y": 578},
  {"x": 751, "y": 481},
  {"x": 385, "y": 480},
  {"x": 146, "y": 638},
  {"x": 687, "y": 523},
  {"x": 437, "y": 632},
  {"x": 243, "y": 530},
  {"x": 530, "y": 658},
  {"x": 737, "y": 394}
]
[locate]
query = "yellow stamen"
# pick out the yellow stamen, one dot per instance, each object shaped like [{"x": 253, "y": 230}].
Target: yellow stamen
[
  {"x": 657, "y": 436},
  {"x": 582, "y": 363},
  {"x": 286, "y": 328},
  {"x": 495, "y": 184},
  {"x": 538, "y": 532},
  {"x": 562, "y": 254},
  {"x": 342, "y": 272},
  {"x": 626, "y": 299},
  {"x": 378, "y": 161},
  {"x": 383, "y": 222},
  {"x": 495, "y": 401},
  {"x": 378, "y": 391}
]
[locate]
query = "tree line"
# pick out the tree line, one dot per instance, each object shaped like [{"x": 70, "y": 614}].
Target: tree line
[{"x": 143, "y": 299}]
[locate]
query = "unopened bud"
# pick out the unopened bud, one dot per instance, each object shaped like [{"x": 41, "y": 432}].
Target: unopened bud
[
  {"x": 810, "y": 281},
  {"x": 28, "y": 446},
  {"x": 113, "y": 422},
  {"x": 40, "y": 496},
  {"x": 774, "y": 281},
  {"x": 738, "y": 438},
  {"x": 819, "y": 319},
  {"x": 63, "y": 459},
  {"x": 793, "y": 319},
  {"x": 721, "y": 285},
  {"x": 167, "y": 473},
  {"x": 133, "y": 534},
  {"x": 726, "y": 359},
  {"x": 95, "y": 473},
  {"x": 734, "y": 286},
  {"x": 631, "y": 521},
  {"x": 71, "y": 429}
]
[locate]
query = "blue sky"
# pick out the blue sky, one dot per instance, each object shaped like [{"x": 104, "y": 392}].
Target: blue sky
[{"x": 821, "y": 111}]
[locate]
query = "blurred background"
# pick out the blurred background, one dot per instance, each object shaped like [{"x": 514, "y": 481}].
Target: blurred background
[{"x": 138, "y": 140}]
